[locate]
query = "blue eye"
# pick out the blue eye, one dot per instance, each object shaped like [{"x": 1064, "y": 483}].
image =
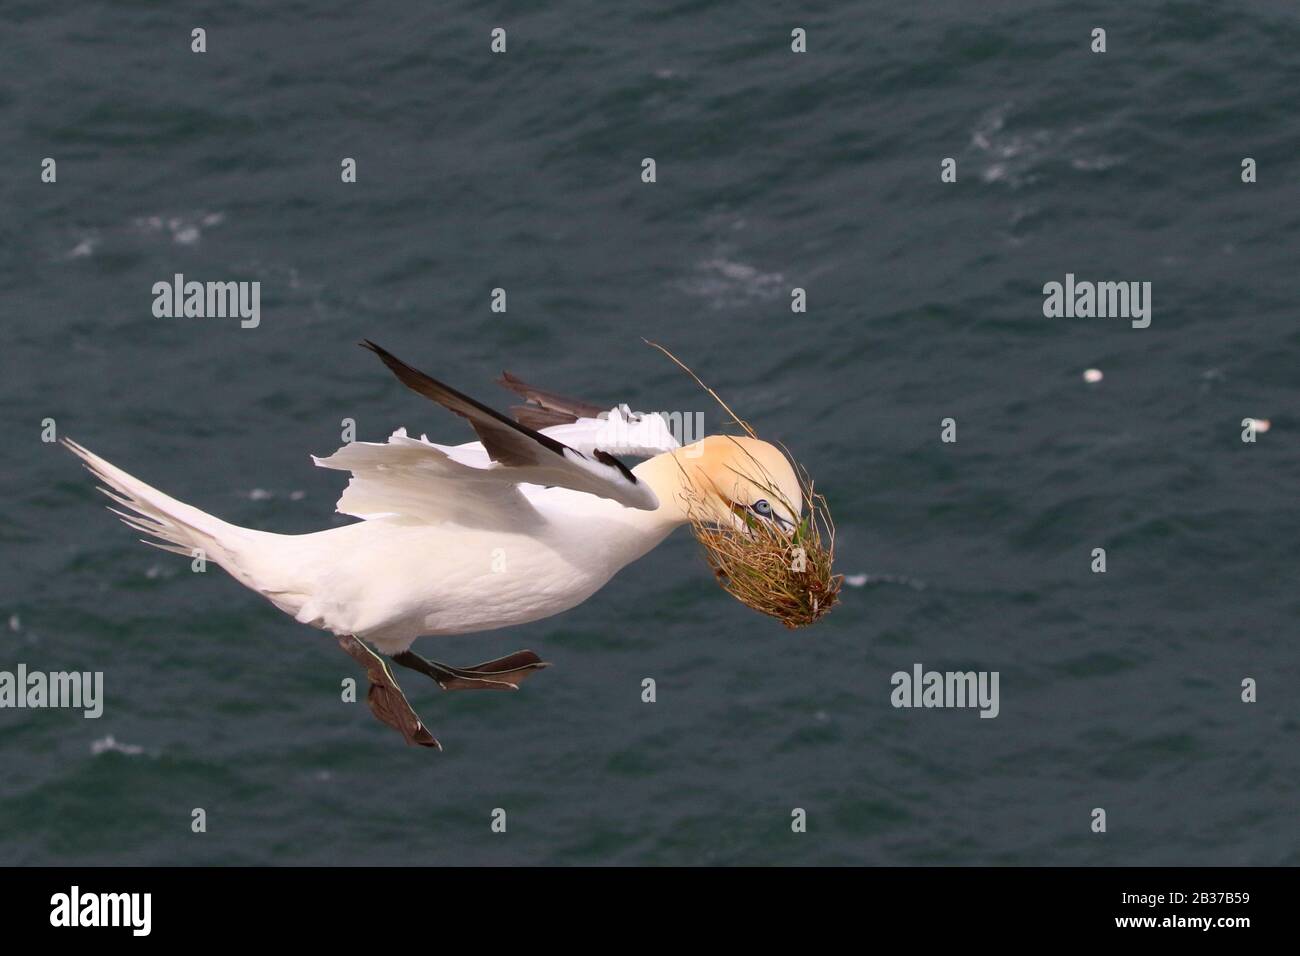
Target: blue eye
[{"x": 761, "y": 507}]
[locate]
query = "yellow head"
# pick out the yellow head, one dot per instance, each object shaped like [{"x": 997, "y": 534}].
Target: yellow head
[
  {"x": 735, "y": 480},
  {"x": 745, "y": 504}
]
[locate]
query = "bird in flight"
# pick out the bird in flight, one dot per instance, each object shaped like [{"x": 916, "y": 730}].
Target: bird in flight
[{"x": 527, "y": 522}]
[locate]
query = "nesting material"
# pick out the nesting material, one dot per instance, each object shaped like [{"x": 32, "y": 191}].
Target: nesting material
[
  {"x": 782, "y": 571},
  {"x": 779, "y": 569}
]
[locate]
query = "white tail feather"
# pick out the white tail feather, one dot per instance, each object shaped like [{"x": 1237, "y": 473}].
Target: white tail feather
[{"x": 249, "y": 556}]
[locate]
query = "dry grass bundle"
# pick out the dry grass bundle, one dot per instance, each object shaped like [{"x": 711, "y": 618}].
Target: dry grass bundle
[{"x": 783, "y": 572}]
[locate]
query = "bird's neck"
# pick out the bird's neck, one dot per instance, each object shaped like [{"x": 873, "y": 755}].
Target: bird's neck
[{"x": 667, "y": 476}]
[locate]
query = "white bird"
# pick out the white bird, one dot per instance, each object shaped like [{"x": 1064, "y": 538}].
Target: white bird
[{"x": 520, "y": 525}]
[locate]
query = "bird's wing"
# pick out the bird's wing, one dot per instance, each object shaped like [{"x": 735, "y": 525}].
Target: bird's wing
[
  {"x": 619, "y": 432},
  {"x": 474, "y": 484},
  {"x": 545, "y": 408},
  {"x": 588, "y": 427},
  {"x": 433, "y": 484}
]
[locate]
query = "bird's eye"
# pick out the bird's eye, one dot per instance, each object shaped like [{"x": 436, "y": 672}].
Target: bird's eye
[{"x": 761, "y": 507}]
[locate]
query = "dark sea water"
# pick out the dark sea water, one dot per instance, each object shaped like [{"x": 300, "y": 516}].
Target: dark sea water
[{"x": 775, "y": 170}]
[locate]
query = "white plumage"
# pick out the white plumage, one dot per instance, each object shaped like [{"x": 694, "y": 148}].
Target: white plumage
[{"x": 450, "y": 542}]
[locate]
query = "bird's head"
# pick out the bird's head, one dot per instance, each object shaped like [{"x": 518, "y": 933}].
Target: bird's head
[
  {"x": 765, "y": 533},
  {"x": 738, "y": 481}
]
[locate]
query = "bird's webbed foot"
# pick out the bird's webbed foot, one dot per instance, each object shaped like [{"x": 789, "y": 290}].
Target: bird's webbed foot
[
  {"x": 504, "y": 673},
  {"x": 385, "y": 697}
]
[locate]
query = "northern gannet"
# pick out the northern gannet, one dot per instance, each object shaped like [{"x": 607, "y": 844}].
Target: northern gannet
[{"x": 530, "y": 520}]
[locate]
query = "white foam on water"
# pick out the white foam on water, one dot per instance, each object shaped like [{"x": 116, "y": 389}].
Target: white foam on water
[{"x": 109, "y": 744}]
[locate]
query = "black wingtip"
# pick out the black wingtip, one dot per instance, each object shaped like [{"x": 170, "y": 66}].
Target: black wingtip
[
  {"x": 388, "y": 358},
  {"x": 513, "y": 382}
]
